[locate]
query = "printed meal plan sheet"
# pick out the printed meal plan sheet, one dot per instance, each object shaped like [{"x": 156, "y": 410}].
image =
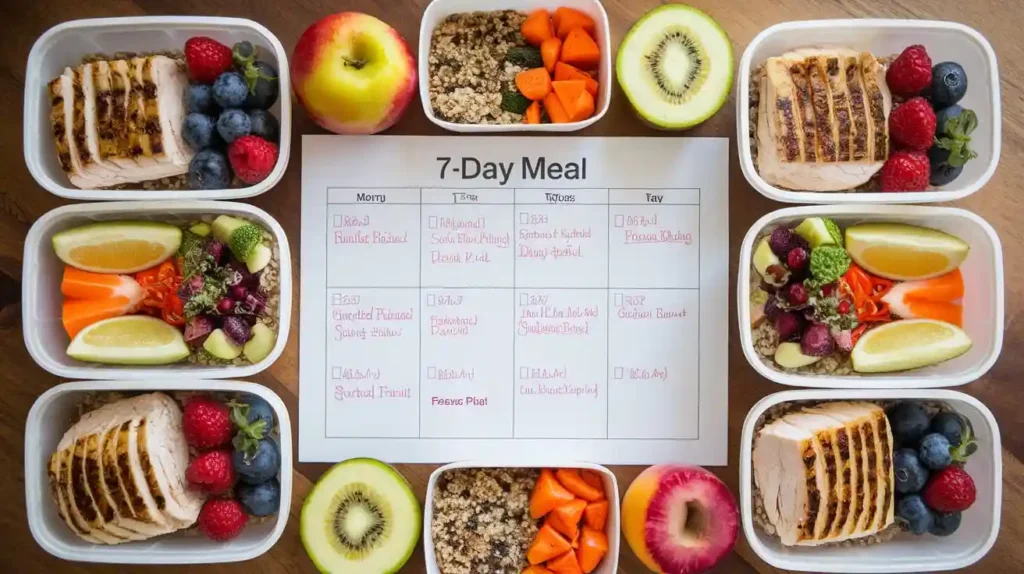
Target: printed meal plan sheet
[{"x": 514, "y": 299}]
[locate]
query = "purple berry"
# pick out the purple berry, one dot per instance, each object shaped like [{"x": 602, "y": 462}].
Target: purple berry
[
  {"x": 238, "y": 292},
  {"x": 781, "y": 241},
  {"x": 797, "y": 294},
  {"x": 215, "y": 249},
  {"x": 789, "y": 326},
  {"x": 225, "y": 306},
  {"x": 797, "y": 258},
  {"x": 817, "y": 341}
]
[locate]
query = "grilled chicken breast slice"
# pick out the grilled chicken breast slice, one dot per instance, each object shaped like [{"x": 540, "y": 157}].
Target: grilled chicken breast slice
[{"x": 789, "y": 470}]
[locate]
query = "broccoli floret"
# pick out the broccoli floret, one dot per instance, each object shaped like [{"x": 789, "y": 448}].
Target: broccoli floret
[
  {"x": 244, "y": 239},
  {"x": 525, "y": 57},
  {"x": 833, "y": 230},
  {"x": 828, "y": 264},
  {"x": 513, "y": 101}
]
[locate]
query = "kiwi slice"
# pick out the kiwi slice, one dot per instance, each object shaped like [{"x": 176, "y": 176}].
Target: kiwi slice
[
  {"x": 675, "y": 66},
  {"x": 361, "y": 517}
]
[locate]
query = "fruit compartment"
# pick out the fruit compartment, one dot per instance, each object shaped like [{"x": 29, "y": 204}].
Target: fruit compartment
[
  {"x": 41, "y": 297},
  {"x": 945, "y": 41},
  {"x": 438, "y": 10},
  {"x": 906, "y": 552},
  {"x": 608, "y": 565},
  {"x": 982, "y": 303},
  {"x": 67, "y": 43},
  {"x": 49, "y": 419}
]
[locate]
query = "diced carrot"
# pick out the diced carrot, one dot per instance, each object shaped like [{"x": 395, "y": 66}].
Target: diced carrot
[
  {"x": 566, "y": 518},
  {"x": 596, "y": 514},
  {"x": 537, "y": 27},
  {"x": 570, "y": 477},
  {"x": 556, "y": 113},
  {"x": 78, "y": 314},
  {"x": 536, "y": 569},
  {"x": 533, "y": 113},
  {"x": 550, "y": 50},
  {"x": 548, "y": 494},
  {"x": 565, "y": 564},
  {"x": 575, "y": 542},
  {"x": 568, "y": 18},
  {"x": 534, "y": 84},
  {"x": 547, "y": 545},
  {"x": 580, "y": 50},
  {"x": 577, "y": 101},
  {"x": 565, "y": 71},
  {"x": 593, "y": 547},
  {"x": 593, "y": 479}
]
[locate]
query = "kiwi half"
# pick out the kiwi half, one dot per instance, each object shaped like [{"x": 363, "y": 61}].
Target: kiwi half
[
  {"x": 361, "y": 517},
  {"x": 676, "y": 66}
]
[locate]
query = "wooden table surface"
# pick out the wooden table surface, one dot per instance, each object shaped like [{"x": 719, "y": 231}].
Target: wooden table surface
[{"x": 22, "y": 202}]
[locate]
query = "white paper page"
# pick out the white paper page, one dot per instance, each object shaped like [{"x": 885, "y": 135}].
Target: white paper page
[{"x": 514, "y": 299}]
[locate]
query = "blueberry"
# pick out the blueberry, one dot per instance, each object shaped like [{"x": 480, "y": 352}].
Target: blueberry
[
  {"x": 909, "y": 422},
  {"x": 259, "y": 409},
  {"x": 945, "y": 523},
  {"x": 199, "y": 98},
  {"x": 229, "y": 90},
  {"x": 941, "y": 173},
  {"x": 209, "y": 170},
  {"x": 914, "y": 511},
  {"x": 911, "y": 475},
  {"x": 265, "y": 91},
  {"x": 263, "y": 465},
  {"x": 943, "y": 116},
  {"x": 261, "y": 499},
  {"x": 949, "y": 84},
  {"x": 199, "y": 131},
  {"x": 264, "y": 124},
  {"x": 243, "y": 51},
  {"x": 233, "y": 124},
  {"x": 934, "y": 451}
]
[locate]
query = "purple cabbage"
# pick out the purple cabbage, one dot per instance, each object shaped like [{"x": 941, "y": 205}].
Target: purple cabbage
[
  {"x": 215, "y": 249},
  {"x": 237, "y": 329},
  {"x": 191, "y": 286},
  {"x": 198, "y": 328},
  {"x": 254, "y": 304},
  {"x": 817, "y": 341},
  {"x": 789, "y": 326}
]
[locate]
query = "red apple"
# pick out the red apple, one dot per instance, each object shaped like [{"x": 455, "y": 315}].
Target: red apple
[{"x": 353, "y": 73}]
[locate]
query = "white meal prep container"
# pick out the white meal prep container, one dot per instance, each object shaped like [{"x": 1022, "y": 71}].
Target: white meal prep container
[
  {"x": 983, "y": 294},
  {"x": 609, "y": 564},
  {"x": 50, "y": 418},
  {"x": 945, "y": 41},
  {"x": 907, "y": 552},
  {"x": 438, "y": 10},
  {"x": 65, "y": 44},
  {"x": 41, "y": 297}
]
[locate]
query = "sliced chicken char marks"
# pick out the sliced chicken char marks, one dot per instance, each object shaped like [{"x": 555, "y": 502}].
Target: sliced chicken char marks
[
  {"x": 852, "y": 465},
  {"x": 824, "y": 433},
  {"x": 801, "y": 81},
  {"x": 122, "y": 495},
  {"x": 870, "y": 69},
  {"x": 108, "y": 517},
  {"x": 142, "y": 500},
  {"x": 151, "y": 108},
  {"x": 121, "y": 114},
  {"x": 58, "y": 488},
  {"x": 840, "y": 106},
  {"x": 81, "y": 146},
  {"x": 105, "y": 107},
  {"x": 859, "y": 133},
  {"x": 82, "y": 509},
  {"x": 784, "y": 120},
  {"x": 60, "y": 132},
  {"x": 821, "y": 103},
  {"x": 888, "y": 472}
]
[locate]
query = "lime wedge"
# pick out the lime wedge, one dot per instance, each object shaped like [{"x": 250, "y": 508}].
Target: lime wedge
[
  {"x": 117, "y": 246},
  {"x": 904, "y": 252},
  {"x": 908, "y": 344},
  {"x": 129, "y": 340}
]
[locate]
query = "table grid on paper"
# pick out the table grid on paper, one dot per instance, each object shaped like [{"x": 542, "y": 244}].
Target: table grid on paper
[{"x": 462, "y": 313}]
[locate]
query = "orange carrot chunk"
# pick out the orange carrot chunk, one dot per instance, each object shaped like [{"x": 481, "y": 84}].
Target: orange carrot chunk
[
  {"x": 565, "y": 71},
  {"x": 79, "y": 284},
  {"x": 550, "y": 50},
  {"x": 565, "y": 564},
  {"x": 593, "y": 547},
  {"x": 570, "y": 477},
  {"x": 580, "y": 50},
  {"x": 78, "y": 314},
  {"x": 547, "y": 545},
  {"x": 593, "y": 479},
  {"x": 548, "y": 494},
  {"x": 555, "y": 110},
  {"x": 537, "y": 27},
  {"x": 577, "y": 101},
  {"x": 595, "y": 515},
  {"x": 534, "y": 84},
  {"x": 533, "y": 113},
  {"x": 536, "y": 570},
  {"x": 569, "y": 18},
  {"x": 566, "y": 518}
]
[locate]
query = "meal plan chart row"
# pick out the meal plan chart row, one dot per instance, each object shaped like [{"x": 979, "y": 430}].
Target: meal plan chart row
[{"x": 510, "y": 299}]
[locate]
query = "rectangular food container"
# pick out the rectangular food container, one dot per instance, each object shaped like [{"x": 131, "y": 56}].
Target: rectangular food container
[
  {"x": 945, "y": 41},
  {"x": 41, "y": 297},
  {"x": 983, "y": 294},
  {"x": 438, "y": 10},
  {"x": 65, "y": 44},
  {"x": 907, "y": 552},
  {"x": 610, "y": 563},
  {"x": 50, "y": 418}
]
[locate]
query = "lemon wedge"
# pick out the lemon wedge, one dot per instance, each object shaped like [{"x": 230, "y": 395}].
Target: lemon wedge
[
  {"x": 908, "y": 344},
  {"x": 904, "y": 252},
  {"x": 129, "y": 340},
  {"x": 117, "y": 246}
]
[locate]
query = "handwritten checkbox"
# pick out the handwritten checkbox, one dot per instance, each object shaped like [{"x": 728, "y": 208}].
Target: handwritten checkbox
[
  {"x": 336, "y": 299},
  {"x": 337, "y": 221},
  {"x": 432, "y": 222},
  {"x": 524, "y": 218},
  {"x": 618, "y": 372},
  {"x": 620, "y": 221},
  {"x": 618, "y": 299},
  {"x": 431, "y": 372},
  {"x": 524, "y": 373},
  {"x": 430, "y": 300},
  {"x": 524, "y": 299},
  {"x": 335, "y": 372}
]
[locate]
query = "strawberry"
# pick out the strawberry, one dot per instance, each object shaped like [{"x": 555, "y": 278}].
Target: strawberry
[
  {"x": 912, "y": 124},
  {"x": 206, "y": 423},
  {"x": 910, "y": 72},
  {"x": 950, "y": 490},
  {"x": 222, "y": 519},
  {"x": 906, "y": 171},
  {"x": 206, "y": 59},
  {"x": 211, "y": 472},
  {"x": 252, "y": 158}
]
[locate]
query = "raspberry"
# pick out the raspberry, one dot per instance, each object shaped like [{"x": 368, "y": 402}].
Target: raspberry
[
  {"x": 252, "y": 158},
  {"x": 906, "y": 171},
  {"x": 211, "y": 472},
  {"x": 910, "y": 72},
  {"x": 222, "y": 519},
  {"x": 912, "y": 124},
  {"x": 206, "y": 59},
  {"x": 206, "y": 423}
]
